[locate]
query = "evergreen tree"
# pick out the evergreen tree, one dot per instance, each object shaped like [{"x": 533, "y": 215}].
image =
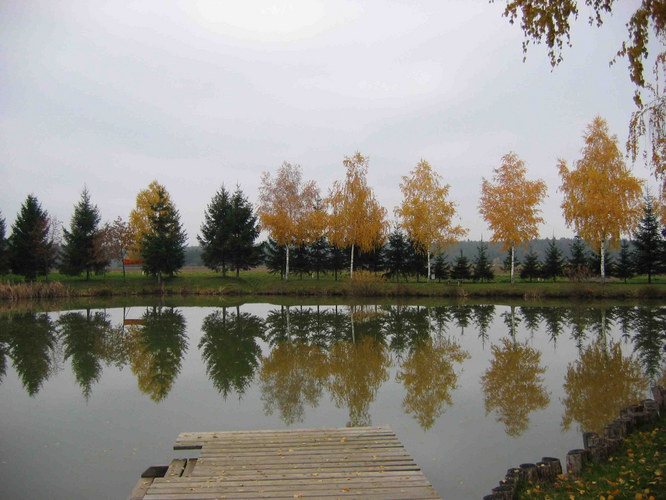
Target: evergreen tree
[
  {"x": 482, "y": 270},
  {"x": 83, "y": 249},
  {"x": 506, "y": 263},
  {"x": 244, "y": 231},
  {"x": 162, "y": 247},
  {"x": 441, "y": 268},
  {"x": 553, "y": 265},
  {"x": 461, "y": 268},
  {"x": 577, "y": 265},
  {"x": 416, "y": 261},
  {"x": 300, "y": 259},
  {"x": 31, "y": 252},
  {"x": 319, "y": 255},
  {"x": 648, "y": 242},
  {"x": 216, "y": 232},
  {"x": 396, "y": 253},
  {"x": 594, "y": 263},
  {"x": 532, "y": 267},
  {"x": 338, "y": 259},
  {"x": 274, "y": 256},
  {"x": 625, "y": 265},
  {"x": 4, "y": 254}
]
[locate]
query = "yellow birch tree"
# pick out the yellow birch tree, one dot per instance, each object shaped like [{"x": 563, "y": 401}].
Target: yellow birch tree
[
  {"x": 602, "y": 199},
  {"x": 356, "y": 218},
  {"x": 139, "y": 218},
  {"x": 288, "y": 208},
  {"x": 510, "y": 205},
  {"x": 426, "y": 214}
]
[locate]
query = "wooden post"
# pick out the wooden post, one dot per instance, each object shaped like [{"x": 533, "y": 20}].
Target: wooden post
[
  {"x": 504, "y": 491},
  {"x": 544, "y": 472},
  {"x": 576, "y": 460},
  {"x": 528, "y": 472},
  {"x": 589, "y": 437},
  {"x": 555, "y": 465}
]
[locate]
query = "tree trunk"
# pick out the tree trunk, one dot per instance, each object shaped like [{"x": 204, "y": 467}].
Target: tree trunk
[
  {"x": 351, "y": 268},
  {"x": 428, "y": 265},
  {"x": 286, "y": 269},
  {"x": 512, "y": 260},
  {"x": 603, "y": 261},
  {"x": 123, "y": 261}
]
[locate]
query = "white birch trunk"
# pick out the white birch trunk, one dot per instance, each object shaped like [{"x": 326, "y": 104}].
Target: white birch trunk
[
  {"x": 512, "y": 260},
  {"x": 603, "y": 260},
  {"x": 428, "y": 265},
  {"x": 286, "y": 270},
  {"x": 351, "y": 268}
]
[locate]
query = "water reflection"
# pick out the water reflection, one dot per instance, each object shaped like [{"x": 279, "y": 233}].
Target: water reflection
[
  {"x": 599, "y": 384},
  {"x": 158, "y": 346},
  {"x": 230, "y": 349}
]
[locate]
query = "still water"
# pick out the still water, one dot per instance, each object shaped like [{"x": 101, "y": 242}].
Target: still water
[{"x": 91, "y": 397}]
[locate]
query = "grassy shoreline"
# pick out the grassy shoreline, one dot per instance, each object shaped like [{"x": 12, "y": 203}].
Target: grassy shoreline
[{"x": 259, "y": 283}]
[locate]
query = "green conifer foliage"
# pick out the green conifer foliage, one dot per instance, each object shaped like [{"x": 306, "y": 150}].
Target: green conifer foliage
[
  {"x": 553, "y": 265},
  {"x": 648, "y": 242},
  {"x": 31, "y": 251},
  {"x": 461, "y": 268},
  {"x": 482, "y": 270},
  {"x": 531, "y": 267},
  {"x": 625, "y": 269}
]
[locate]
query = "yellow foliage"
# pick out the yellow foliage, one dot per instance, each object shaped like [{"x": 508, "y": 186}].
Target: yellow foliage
[
  {"x": 426, "y": 214},
  {"x": 509, "y": 204},
  {"x": 602, "y": 199},
  {"x": 139, "y": 218},
  {"x": 356, "y": 216}
]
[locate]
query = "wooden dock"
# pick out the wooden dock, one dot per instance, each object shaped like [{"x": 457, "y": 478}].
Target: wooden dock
[{"x": 356, "y": 462}]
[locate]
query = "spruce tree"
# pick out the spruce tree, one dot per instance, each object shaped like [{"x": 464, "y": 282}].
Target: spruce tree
[
  {"x": 31, "y": 252},
  {"x": 338, "y": 259},
  {"x": 82, "y": 249},
  {"x": 216, "y": 232},
  {"x": 577, "y": 265},
  {"x": 244, "y": 231},
  {"x": 300, "y": 260},
  {"x": 624, "y": 269},
  {"x": 274, "y": 256},
  {"x": 648, "y": 242},
  {"x": 553, "y": 265},
  {"x": 531, "y": 267},
  {"x": 396, "y": 254},
  {"x": 4, "y": 254},
  {"x": 482, "y": 270},
  {"x": 461, "y": 268},
  {"x": 319, "y": 255},
  {"x": 441, "y": 268},
  {"x": 506, "y": 263},
  {"x": 416, "y": 261},
  {"x": 163, "y": 245}
]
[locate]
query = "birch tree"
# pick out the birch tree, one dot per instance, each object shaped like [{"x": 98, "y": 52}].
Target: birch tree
[
  {"x": 287, "y": 207},
  {"x": 426, "y": 214},
  {"x": 139, "y": 218},
  {"x": 356, "y": 218},
  {"x": 602, "y": 200},
  {"x": 510, "y": 205}
]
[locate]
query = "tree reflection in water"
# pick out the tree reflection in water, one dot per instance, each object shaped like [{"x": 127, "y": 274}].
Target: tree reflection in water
[
  {"x": 429, "y": 376},
  {"x": 513, "y": 385},
  {"x": 230, "y": 350},
  {"x": 599, "y": 384},
  {"x": 83, "y": 338},
  {"x": 292, "y": 375},
  {"x": 158, "y": 347},
  {"x": 357, "y": 370}
]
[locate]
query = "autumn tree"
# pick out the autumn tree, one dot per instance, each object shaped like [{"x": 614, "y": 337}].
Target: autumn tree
[
  {"x": 31, "y": 249},
  {"x": 509, "y": 204},
  {"x": 83, "y": 250},
  {"x": 601, "y": 197},
  {"x": 287, "y": 208},
  {"x": 425, "y": 213},
  {"x": 162, "y": 246},
  {"x": 139, "y": 218},
  {"x": 119, "y": 240},
  {"x": 356, "y": 219}
]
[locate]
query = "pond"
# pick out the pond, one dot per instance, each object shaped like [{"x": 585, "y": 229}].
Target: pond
[{"x": 89, "y": 398}]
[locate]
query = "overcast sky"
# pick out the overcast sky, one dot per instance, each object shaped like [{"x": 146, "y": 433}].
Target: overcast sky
[{"x": 197, "y": 93}]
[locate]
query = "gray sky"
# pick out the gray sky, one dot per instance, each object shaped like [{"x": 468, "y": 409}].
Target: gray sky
[{"x": 197, "y": 93}]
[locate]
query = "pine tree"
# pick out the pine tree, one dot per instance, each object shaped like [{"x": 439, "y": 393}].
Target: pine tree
[
  {"x": 319, "y": 255},
  {"x": 337, "y": 259},
  {"x": 461, "y": 268},
  {"x": 416, "y": 261},
  {"x": 482, "y": 270},
  {"x": 553, "y": 265},
  {"x": 396, "y": 255},
  {"x": 216, "y": 231},
  {"x": 4, "y": 256},
  {"x": 162, "y": 247},
  {"x": 625, "y": 266},
  {"x": 31, "y": 252},
  {"x": 244, "y": 231},
  {"x": 274, "y": 256},
  {"x": 442, "y": 268},
  {"x": 577, "y": 265},
  {"x": 300, "y": 260},
  {"x": 506, "y": 263},
  {"x": 532, "y": 267},
  {"x": 83, "y": 249},
  {"x": 648, "y": 242}
]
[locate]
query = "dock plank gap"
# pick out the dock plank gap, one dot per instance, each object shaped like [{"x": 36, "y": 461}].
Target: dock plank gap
[{"x": 329, "y": 463}]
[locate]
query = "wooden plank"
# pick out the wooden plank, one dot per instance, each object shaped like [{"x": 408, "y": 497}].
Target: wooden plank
[
  {"x": 176, "y": 468},
  {"x": 141, "y": 488},
  {"x": 189, "y": 467},
  {"x": 298, "y": 476},
  {"x": 417, "y": 493}
]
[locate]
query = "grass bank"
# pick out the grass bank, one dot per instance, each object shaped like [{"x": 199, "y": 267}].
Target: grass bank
[
  {"x": 636, "y": 472},
  {"x": 203, "y": 282}
]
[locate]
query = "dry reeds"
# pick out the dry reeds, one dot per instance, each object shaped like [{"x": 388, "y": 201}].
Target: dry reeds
[{"x": 33, "y": 291}]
